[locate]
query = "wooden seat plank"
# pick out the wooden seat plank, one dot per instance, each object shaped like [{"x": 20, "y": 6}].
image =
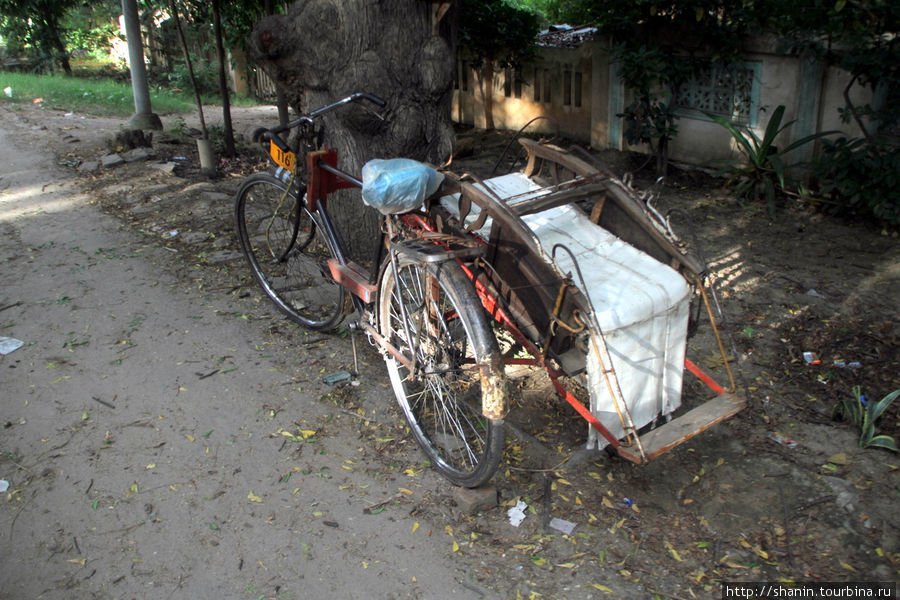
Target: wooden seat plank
[{"x": 679, "y": 430}]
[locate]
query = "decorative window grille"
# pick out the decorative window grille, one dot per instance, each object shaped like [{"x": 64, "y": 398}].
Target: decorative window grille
[{"x": 731, "y": 92}]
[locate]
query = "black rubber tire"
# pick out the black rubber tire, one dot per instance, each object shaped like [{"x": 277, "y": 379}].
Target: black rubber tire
[
  {"x": 287, "y": 252},
  {"x": 442, "y": 400}
]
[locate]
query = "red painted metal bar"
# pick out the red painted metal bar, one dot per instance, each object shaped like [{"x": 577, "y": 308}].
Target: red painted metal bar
[
  {"x": 322, "y": 182},
  {"x": 710, "y": 383},
  {"x": 581, "y": 409}
]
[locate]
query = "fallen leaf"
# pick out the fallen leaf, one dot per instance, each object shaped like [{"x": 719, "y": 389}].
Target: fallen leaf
[
  {"x": 617, "y": 526},
  {"x": 728, "y": 562},
  {"x": 455, "y": 547},
  {"x": 415, "y": 527},
  {"x": 839, "y": 459},
  {"x": 601, "y": 587},
  {"x": 674, "y": 552},
  {"x": 77, "y": 561},
  {"x": 697, "y": 576},
  {"x": 254, "y": 498},
  {"x": 405, "y": 491},
  {"x": 848, "y": 566}
]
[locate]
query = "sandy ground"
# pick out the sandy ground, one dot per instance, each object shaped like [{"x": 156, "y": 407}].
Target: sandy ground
[
  {"x": 168, "y": 435},
  {"x": 142, "y": 429}
]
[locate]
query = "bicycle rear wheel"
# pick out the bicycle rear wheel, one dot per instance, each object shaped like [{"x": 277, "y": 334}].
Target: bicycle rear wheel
[
  {"x": 430, "y": 312},
  {"x": 287, "y": 252}
]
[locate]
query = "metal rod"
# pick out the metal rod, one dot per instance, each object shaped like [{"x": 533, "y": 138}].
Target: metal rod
[{"x": 712, "y": 321}]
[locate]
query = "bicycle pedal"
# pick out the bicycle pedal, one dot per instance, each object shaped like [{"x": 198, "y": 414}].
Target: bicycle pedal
[{"x": 438, "y": 248}]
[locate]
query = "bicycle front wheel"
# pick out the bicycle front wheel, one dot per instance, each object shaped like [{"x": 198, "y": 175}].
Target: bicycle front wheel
[
  {"x": 287, "y": 253},
  {"x": 432, "y": 315}
]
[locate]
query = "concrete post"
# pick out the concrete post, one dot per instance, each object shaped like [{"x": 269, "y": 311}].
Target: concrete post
[{"x": 143, "y": 115}]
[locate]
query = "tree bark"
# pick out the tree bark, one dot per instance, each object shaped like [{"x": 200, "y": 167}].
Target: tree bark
[
  {"x": 487, "y": 92},
  {"x": 280, "y": 98},
  {"x": 402, "y": 51},
  {"x": 223, "y": 81},
  {"x": 190, "y": 66},
  {"x": 51, "y": 26}
]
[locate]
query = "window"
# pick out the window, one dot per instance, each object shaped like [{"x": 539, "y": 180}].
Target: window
[
  {"x": 547, "y": 87},
  {"x": 512, "y": 84},
  {"x": 571, "y": 88},
  {"x": 576, "y": 89},
  {"x": 732, "y": 92},
  {"x": 542, "y": 83}
]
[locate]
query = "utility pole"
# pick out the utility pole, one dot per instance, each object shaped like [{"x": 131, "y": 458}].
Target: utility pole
[{"x": 143, "y": 117}]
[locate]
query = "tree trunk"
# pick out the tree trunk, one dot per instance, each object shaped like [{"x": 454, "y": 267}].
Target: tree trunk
[
  {"x": 280, "y": 98},
  {"x": 402, "y": 51},
  {"x": 190, "y": 66},
  {"x": 52, "y": 29},
  {"x": 487, "y": 92},
  {"x": 223, "y": 81}
]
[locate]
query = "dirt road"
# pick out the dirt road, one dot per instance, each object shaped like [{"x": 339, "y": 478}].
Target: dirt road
[{"x": 154, "y": 442}]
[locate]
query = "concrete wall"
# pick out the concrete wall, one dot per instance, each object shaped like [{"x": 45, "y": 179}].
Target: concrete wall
[
  {"x": 810, "y": 93},
  {"x": 559, "y": 84}
]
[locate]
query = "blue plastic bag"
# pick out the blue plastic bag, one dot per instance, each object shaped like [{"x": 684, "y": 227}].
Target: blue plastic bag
[{"x": 398, "y": 185}]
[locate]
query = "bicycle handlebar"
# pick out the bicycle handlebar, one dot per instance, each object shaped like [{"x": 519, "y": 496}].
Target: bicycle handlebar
[{"x": 272, "y": 134}]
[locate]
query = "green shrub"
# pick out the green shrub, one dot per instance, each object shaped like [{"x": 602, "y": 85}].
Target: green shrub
[
  {"x": 764, "y": 167},
  {"x": 861, "y": 176},
  {"x": 862, "y": 413},
  {"x": 178, "y": 78}
]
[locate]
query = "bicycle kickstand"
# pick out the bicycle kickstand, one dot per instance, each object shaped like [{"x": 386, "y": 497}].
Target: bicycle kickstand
[{"x": 353, "y": 328}]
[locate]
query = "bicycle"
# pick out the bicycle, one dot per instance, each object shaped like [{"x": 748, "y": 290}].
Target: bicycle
[
  {"x": 473, "y": 257},
  {"x": 415, "y": 303}
]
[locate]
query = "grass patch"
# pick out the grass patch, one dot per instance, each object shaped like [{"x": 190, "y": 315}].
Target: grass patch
[{"x": 100, "y": 97}]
